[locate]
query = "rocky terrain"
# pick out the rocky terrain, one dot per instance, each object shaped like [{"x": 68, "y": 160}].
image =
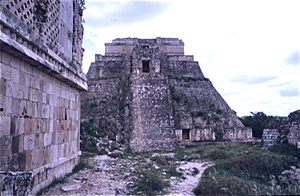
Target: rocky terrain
[
  {"x": 200, "y": 168},
  {"x": 119, "y": 175}
]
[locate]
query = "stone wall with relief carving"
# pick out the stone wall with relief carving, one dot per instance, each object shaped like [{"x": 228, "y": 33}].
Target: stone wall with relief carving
[{"x": 39, "y": 92}]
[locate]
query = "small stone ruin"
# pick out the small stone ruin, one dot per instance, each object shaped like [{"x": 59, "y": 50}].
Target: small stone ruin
[
  {"x": 283, "y": 129},
  {"x": 269, "y": 136}
]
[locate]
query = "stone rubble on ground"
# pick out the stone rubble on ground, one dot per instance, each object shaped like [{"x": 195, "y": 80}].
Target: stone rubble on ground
[
  {"x": 71, "y": 187},
  {"x": 115, "y": 176}
]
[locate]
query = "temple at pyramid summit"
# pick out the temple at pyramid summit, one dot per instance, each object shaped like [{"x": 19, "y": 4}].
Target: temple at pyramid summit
[{"x": 149, "y": 95}]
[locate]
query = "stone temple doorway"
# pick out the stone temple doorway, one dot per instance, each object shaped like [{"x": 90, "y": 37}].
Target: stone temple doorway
[
  {"x": 185, "y": 134},
  {"x": 146, "y": 66}
]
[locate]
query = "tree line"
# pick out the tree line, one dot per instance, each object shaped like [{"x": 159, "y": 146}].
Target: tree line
[{"x": 257, "y": 121}]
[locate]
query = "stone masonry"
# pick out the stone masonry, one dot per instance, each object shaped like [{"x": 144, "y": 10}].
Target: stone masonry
[
  {"x": 41, "y": 77},
  {"x": 287, "y": 129},
  {"x": 150, "y": 96},
  {"x": 269, "y": 136}
]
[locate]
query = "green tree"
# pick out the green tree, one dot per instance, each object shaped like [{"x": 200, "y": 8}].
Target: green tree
[{"x": 258, "y": 121}]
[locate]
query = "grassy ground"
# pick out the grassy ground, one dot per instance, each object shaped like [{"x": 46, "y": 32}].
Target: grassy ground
[
  {"x": 243, "y": 169},
  {"x": 246, "y": 169}
]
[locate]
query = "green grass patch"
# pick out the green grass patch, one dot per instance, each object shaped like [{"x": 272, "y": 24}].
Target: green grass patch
[
  {"x": 149, "y": 183},
  {"x": 285, "y": 149},
  {"x": 160, "y": 160},
  {"x": 217, "y": 155},
  {"x": 172, "y": 172},
  {"x": 247, "y": 170}
]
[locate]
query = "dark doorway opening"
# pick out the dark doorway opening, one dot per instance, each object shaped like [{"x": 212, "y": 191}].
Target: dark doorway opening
[
  {"x": 102, "y": 123},
  {"x": 185, "y": 134},
  {"x": 146, "y": 66}
]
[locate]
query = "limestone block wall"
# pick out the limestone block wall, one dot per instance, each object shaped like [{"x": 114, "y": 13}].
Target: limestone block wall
[
  {"x": 204, "y": 134},
  {"x": 238, "y": 134},
  {"x": 153, "y": 127},
  {"x": 140, "y": 55},
  {"x": 39, "y": 94},
  {"x": 101, "y": 105},
  {"x": 294, "y": 134},
  {"x": 182, "y": 68},
  {"x": 105, "y": 102},
  {"x": 269, "y": 136},
  {"x": 108, "y": 69},
  {"x": 39, "y": 121},
  {"x": 171, "y": 46}
]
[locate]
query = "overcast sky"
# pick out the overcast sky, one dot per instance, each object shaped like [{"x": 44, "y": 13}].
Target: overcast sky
[{"x": 248, "y": 49}]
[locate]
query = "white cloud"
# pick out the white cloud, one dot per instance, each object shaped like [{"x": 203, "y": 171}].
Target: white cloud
[{"x": 89, "y": 56}]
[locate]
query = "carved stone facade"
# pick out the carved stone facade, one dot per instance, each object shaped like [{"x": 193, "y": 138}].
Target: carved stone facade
[
  {"x": 39, "y": 92},
  {"x": 269, "y": 137},
  {"x": 150, "y": 95}
]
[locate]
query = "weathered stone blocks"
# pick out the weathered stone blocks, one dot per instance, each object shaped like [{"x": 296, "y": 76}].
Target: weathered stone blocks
[
  {"x": 150, "y": 93},
  {"x": 39, "y": 96}
]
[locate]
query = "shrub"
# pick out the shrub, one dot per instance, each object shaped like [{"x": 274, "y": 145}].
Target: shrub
[
  {"x": 160, "y": 160},
  {"x": 88, "y": 129},
  {"x": 89, "y": 144},
  {"x": 217, "y": 155},
  {"x": 174, "y": 95},
  {"x": 82, "y": 164},
  {"x": 179, "y": 155},
  {"x": 214, "y": 185},
  {"x": 246, "y": 174},
  {"x": 258, "y": 121},
  {"x": 150, "y": 183},
  {"x": 195, "y": 171},
  {"x": 89, "y": 135},
  {"x": 285, "y": 149},
  {"x": 172, "y": 171}
]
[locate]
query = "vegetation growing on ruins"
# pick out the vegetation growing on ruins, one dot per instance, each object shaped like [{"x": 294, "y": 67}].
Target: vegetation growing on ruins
[
  {"x": 89, "y": 136},
  {"x": 175, "y": 96}
]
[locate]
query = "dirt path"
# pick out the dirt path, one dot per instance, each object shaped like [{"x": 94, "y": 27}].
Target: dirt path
[
  {"x": 185, "y": 187},
  {"x": 114, "y": 176}
]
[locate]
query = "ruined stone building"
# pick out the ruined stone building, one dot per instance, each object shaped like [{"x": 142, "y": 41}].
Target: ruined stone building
[
  {"x": 283, "y": 130},
  {"x": 150, "y": 96},
  {"x": 269, "y": 137},
  {"x": 41, "y": 77}
]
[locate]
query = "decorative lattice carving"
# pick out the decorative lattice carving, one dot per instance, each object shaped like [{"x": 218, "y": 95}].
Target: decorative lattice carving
[
  {"x": 41, "y": 16},
  {"x": 43, "y": 19},
  {"x": 21, "y": 9}
]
